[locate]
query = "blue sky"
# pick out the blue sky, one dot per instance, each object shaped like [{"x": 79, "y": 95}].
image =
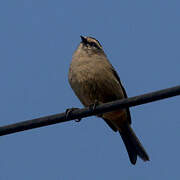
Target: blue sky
[{"x": 37, "y": 40}]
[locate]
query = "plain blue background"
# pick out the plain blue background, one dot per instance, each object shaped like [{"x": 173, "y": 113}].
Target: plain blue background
[{"x": 37, "y": 40}]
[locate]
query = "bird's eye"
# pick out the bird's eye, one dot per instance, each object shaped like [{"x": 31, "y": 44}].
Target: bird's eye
[{"x": 94, "y": 45}]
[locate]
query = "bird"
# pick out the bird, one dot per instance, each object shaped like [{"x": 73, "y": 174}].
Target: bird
[{"x": 95, "y": 81}]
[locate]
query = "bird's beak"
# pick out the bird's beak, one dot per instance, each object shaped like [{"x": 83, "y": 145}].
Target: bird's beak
[{"x": 84, "y": 40}]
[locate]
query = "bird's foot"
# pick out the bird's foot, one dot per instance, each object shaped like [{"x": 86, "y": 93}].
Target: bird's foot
[
  {"x": 93, "y": 106},
  {"x": 68, "y": 113}
]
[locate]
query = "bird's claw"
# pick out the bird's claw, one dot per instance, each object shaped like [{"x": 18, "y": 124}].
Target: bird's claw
[
  {"x": 93, "y": 106},
  {"x": 68, "y": 113}
]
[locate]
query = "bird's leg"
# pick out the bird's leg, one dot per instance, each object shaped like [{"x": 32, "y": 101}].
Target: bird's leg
[
  {"x": 94, "y": 105},
  {"x": 68, "y": 113}
]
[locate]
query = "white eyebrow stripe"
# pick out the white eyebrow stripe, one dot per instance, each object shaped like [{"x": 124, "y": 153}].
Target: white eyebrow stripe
[{"x": 91, "y": 39}]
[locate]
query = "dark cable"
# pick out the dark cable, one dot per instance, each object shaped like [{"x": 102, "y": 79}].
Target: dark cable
[{"x": 85, "y": 112}]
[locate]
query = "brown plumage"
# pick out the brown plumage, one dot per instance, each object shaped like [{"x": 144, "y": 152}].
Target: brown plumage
[{"x": 93, "y": 79}]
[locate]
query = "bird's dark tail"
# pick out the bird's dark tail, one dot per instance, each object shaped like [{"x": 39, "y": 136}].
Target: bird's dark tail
[{"x": 133, "y": 145}]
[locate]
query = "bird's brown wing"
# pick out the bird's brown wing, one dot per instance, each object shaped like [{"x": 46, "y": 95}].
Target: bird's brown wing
[
  {"x": 111, "y": 125},
  {"x": 125, "y": 95}
]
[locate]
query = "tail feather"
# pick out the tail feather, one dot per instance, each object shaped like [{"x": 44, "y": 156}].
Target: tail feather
[{"x": 133, "y": 145}]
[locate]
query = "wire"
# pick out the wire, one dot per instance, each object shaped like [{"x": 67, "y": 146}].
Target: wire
[{"x": 85, "y": 112}]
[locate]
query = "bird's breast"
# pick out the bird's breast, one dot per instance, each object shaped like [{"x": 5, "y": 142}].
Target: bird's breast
[{"x": 93, "y": 81}]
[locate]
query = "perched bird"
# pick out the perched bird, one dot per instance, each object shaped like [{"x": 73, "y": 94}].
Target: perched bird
[{"x": 93, "y": 79}]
